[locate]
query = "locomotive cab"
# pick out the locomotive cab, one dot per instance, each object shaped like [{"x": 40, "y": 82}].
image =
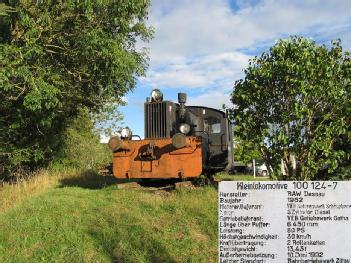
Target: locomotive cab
[
  {"x": 216, "y": 132},
  {"x": 180, "y": 142}
]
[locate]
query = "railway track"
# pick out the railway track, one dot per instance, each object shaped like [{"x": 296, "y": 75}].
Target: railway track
[{"x": 155, "y": 184}]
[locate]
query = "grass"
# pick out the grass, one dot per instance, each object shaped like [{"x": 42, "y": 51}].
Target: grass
[
  {"x": 83, "y": 217},
  {"x": 12, "y": 194},
  {"x": 37, "y": 183}
]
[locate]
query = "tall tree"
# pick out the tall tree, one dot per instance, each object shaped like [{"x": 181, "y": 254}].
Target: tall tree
[
  {"x": 57, "y": 57},
  {"x": 245, "y": 150},
  {"x": 294, "y": 103}
]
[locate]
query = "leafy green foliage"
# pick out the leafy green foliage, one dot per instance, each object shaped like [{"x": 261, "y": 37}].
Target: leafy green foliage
[
  {"x": 245, "y": 150},
  {"x": 57, "y": 57},
  {"x": 109, "y": 120},
  {"x": 294, "y": 104},
  {"x": 81, "y": 146}
]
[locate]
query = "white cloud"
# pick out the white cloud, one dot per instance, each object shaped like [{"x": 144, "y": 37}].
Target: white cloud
[
  {"x": 199, "y": 43},
  {"x": 197, "y": 72},
  {"x": 189, "y": 28},
  {"x": 213, "y": 99}
]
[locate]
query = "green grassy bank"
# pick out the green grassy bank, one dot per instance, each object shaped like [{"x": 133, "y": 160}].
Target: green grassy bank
[{"x": 86, "y": 218}]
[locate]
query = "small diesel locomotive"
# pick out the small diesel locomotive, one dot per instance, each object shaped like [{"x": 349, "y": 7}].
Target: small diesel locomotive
[{"x": 180, "y": 142}]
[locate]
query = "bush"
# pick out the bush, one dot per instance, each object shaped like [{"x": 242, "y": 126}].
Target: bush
[{"x": 82, "y": 148}]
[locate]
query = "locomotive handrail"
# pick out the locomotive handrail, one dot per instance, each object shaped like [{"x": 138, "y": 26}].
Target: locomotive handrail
[
  {"x": 208, "y": 142},
  {"x": 136, "y": 136},
  {"x": 223, "y": 145},
  {"x": 208, "y": 135},
  {"x": 124, "y": 153}
]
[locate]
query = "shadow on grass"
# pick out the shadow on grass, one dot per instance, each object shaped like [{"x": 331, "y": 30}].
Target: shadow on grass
[{"x": 91, "y": 180}]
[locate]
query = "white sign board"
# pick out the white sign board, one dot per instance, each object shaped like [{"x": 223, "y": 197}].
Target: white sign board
[{"x": 280, "y": 221}]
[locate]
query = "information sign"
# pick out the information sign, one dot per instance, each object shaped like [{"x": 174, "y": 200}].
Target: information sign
[{"x": 280, "y": 221}]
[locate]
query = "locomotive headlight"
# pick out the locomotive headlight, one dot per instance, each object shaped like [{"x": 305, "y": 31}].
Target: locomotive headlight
[
  {"x": 156, "y": 95},
  {"x": 114, "y": 143},
  {"x": 184, "y": 128},
  {"x": 126, "y": 133}
]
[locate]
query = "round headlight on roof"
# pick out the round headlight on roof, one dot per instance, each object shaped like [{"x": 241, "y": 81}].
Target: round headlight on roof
[
  {"x": 126, "y": 133},
  {"x": 156, "y": 95},
  {"x": 184, "y": 128}
]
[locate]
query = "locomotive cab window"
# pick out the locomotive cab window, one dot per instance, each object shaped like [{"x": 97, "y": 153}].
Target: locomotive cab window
[{"x": 212, "y": 125}]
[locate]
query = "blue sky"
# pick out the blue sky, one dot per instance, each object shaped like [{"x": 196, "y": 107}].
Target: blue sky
[{"x": 202, "y": 46}]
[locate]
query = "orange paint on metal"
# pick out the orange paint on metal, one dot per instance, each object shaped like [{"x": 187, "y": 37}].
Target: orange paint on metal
[{"x": 158, "y": 158}]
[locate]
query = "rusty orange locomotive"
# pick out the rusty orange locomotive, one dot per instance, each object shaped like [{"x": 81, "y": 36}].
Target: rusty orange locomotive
[{"x": 180, "y": 142}]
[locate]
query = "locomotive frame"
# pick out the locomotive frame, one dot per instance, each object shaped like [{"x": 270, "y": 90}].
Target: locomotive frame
[{"x": 180, "y": 142}]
